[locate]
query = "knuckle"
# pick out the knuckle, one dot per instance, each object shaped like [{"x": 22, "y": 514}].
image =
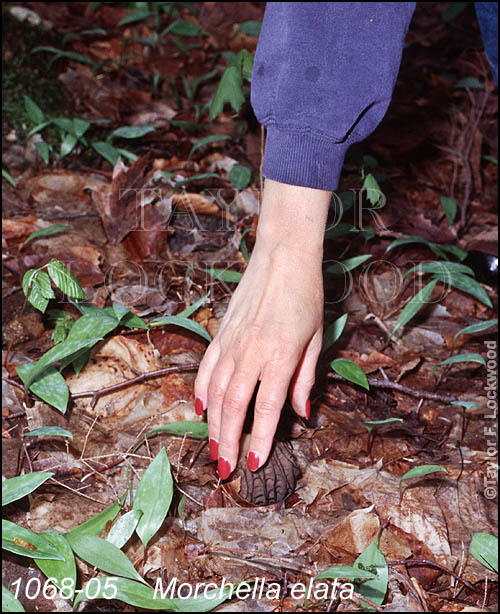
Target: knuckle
[
  {"x": 266, "y": 408},
  {"x": 216, "y": 391},
  {"x": 233, "y": 405}
]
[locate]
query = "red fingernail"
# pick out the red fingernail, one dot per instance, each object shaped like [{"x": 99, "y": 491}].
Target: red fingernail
[
  {"x": 253, "y": 461},
  {"x": 308, "y": 409},
  {"x": 223, "y": 468},
  {"x": 198, "y": 406},
  {"x": 214, "y": 448}
]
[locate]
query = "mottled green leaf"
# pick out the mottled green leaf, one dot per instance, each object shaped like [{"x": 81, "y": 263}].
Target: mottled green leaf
[
  {"x": 60, "y": 571},
  {"x": 22, "y": 485},
  {"x": 103, "y": 555},
  {"x": 484, "y": 548},
  {"x": 22, "y": 541},
  {"x": 152, "y": 500},
  {"x": 48, "y": 431},
  {"x": 415, "y": 305},
  {"x": 189, "y": 428}
]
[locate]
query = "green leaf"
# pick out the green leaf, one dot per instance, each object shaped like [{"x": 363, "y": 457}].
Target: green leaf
[
  {"x": 180, "y": 507},
  {"x": 189, "y": 428},
  {"x": 49, "y": 431},
  {"x": 60, "y": 571},
  {"x": 372, "y": 424},
  {"x": 228, "y": 90},
  {"x": 12, "y": 182},
  {"x": 420, "y": 471},
  {"x": 67, "y": 145},
  {"x": 22, "y": 485},
  {"x": 182, "y": 182},
  {"x": 244, "y": 62},
  {"x": 252, "y": 28},
  {"x": 475, "y": 328},
  {"x": 103, "y": 555},
  {"x": 43, "y": 150},
  {"x": 373, "y": 192},
  {"x": 37, "y": 288},
  {"x": 458, "y": 252},
  {"x": 466, "y": 404},
  {"x": 38, "y": 128},
  {"x": 131, "y": 132},
  {"x": 123, "y": 528},
  {"x": 414, "y": 306},
  {"x": 63, "y": 321},
  {"x": 132, "y": 321},
  {"x": 70, "y": 55},
  {"x": 243, "y": 245},
  {"x": 51, "y": 386},
  {"x": 350, "y": 371},
  {"x": 484, "y": 548},
  {"x": 46, "y": 232},
  {"x": 340, "y": 268},
  {"x": 36, "y": 115},
  {"x": 468, "y": 357},
  {"x": 197, "y": 81},
  {"x": 470, "y": 83},
  {"x": 183, "y": 28},
  {"x": 439, "y": 250},
  {"x": 231, "y": 277},
  {"x": 154, "y": 502},
  {"x": 450, "y": 208},
  {"x": 374, "y": 589},
  {"x": 65, "y": 280},
  {"x": 443, "y": 267},
  {"x": 188, "y": 312},
  {"x": 194, "y": 327},
  {"x": 466, "y": 284},
  {"x": 9, "y": 602},
  {"x": 94, "y": 525},
  {"x": 141, "y": 596},
  {"x": 339, "y": 230},
  {"x": 107, "y": 151},
  {"x": 487, "y": 158},
  {"x": 240, "y": 176},
  {"x": 333, "y": 332},
  {"x": 64, "y": 123},
  {"x": 134, "y": 17},
  {"x": 80, "y": 126},
  {"x": 344, "y": 571},
  {"x": 212, "y": 138},
  {"x": 30, "y": 372},
  {"x": 22, "y": 541},
  {"x": 79, "y": 360}
]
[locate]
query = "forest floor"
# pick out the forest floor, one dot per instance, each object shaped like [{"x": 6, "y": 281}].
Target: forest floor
[{"x": 156, "y": 207}]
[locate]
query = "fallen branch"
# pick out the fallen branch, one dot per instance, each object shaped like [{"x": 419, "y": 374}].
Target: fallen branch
[
  {"x": 97, "y": 394},
  {"x": 419, "y": 394}
]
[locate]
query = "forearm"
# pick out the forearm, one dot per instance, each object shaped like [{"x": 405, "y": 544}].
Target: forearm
[
  {"x": 322, "y": 79},
  {"x": 292, "y": 217}
]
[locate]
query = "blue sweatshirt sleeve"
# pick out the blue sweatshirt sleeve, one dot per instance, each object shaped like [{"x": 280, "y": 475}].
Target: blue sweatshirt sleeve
[{"x": 322, "y": 79}]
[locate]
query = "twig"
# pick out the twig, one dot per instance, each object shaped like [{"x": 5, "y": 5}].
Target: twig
[
  {"x": 437, "y": 566},
  {"x": 377, "y": 383},
  {"x": 97, "y": 394},
  {"x": 13, "y": 383}
]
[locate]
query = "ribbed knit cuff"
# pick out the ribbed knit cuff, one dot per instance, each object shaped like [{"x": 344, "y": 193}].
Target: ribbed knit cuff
[{"x": 300, "y": 159}]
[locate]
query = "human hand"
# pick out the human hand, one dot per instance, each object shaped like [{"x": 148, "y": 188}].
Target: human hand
[{"x": 272, "y": 331}]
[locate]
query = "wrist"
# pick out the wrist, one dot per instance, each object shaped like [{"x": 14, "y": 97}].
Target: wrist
[{"x": 292, "y": 217}]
